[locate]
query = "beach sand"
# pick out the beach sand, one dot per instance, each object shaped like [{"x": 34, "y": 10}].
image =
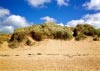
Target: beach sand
[{"x": 52, "y": 55}]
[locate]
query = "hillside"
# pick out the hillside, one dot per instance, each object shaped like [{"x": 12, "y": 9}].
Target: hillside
[{"x": 28, "y": 36}]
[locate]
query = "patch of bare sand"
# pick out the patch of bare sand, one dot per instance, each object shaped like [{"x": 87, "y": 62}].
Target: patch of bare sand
[{"x": 53, "y": 55}]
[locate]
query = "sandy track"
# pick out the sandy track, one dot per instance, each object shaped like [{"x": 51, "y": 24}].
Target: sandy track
[
  {"x": 52, "y": 55},
  {"x": 54, "y": 64}
]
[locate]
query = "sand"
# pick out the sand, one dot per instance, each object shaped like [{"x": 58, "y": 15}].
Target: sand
[{"x": 52, "y": 55}]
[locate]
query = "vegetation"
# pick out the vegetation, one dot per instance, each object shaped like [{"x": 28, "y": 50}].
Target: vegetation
[
  {"x": 49, "y": 30},
  {"x": 4, "y": 37},
  {"x": 80, "y": 37},
  {"x": 81, "y": 31},
  {"x": 43, "y": 31}
]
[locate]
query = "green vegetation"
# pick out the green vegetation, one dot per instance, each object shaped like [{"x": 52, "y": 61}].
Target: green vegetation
[
  {"x": 44, "y": 31},
  {"x": 81, "y": 31},
  {"x": 49, "y": 31},
  {"x": 39, "y": 32},
  {"x": 80, "y": 37}
]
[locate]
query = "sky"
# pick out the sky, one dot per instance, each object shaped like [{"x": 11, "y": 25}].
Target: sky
[{"x": 22, "y": 13}]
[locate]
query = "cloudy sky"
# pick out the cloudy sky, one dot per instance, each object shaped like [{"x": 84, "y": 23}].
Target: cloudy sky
[{"x": 23, "y": 13}]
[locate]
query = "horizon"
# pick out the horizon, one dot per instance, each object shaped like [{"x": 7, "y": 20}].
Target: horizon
[{"x": 23, "y": 13}]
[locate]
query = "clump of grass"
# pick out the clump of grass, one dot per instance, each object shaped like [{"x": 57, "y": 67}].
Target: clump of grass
[
  {"x": 80, "y": 37},
  {"x": 81, "y": 31},
  {"x": 13, "y": 44},
  {"x": 4, "y": 38},
  {"x": 39, "y": 32},
  {"x": 18, "y": 37},
  {"x": 86, "y": 29},
  {"x": 51, "y": 30},
  {"x": 36, "y": 36},
  {"x": 46, "y": 30}
]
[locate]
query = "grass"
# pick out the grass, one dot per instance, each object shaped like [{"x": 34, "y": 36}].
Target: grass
[
  {"x": 49, "y": 30},
  {"x": 4, "y": 37},
  {"x": 82, "y": 31},
  {"x": 46, "y": 30},
  {"x": 80, "y": 37},
  {"x": 40, "y": 32}
]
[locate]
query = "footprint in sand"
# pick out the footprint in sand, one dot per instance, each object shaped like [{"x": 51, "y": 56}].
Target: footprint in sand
[
  {"x": 39, "y": 53},
  {"x": 16, "y": 55},
  {"x": 30, "y": 54},
  {"x": 4, "y": 55}
]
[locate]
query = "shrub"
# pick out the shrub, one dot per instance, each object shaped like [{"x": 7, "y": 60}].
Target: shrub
[
  {"x": 58, "y": 35},
  {"x": 97, "y": 31},
  {"x": 40, "y": 32},
  {"x": 80, "y": 37},
  {"x": 85, "y": 29},
  {"x": 64, "y": 35},
  {"x": 78, "y": 29},
  {"x": 18, "y": 37},
  {"x": 67, "y": 35},
  {"x": 52, "y": 30},
  {"x": 89, "y": 30}
]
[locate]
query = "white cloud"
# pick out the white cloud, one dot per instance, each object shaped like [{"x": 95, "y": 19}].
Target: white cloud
[
  {"x": 6, "y": 29},
  {"x": 38, "y": 3},
  {"x": 61, "y": 24},
  {"x": 9, "y": 22},
  {"x": 48, "y": 19},
  {"x": 73, "y": 23},
  {"x": 16, "y": 21},
  {"x": 92, "y": 19},
  {"x": 93, "y": 4},
  {"x": 62, "y": 2},
  {"x": 4, "y": 12}
]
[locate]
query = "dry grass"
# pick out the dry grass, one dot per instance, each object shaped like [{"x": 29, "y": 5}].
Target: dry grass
[
  {"x": 49, "y": 30},
  {"x": 4, "y": 38}
]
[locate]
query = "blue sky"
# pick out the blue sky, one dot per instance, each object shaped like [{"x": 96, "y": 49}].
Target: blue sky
[{"x": 22, "y": 13}]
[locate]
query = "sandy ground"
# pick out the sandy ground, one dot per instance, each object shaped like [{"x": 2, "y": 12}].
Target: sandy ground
[{"x": 52, "y": 55}]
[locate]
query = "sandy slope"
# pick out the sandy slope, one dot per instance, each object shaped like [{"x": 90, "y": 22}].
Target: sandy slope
[{"x": 52, "y": 55}]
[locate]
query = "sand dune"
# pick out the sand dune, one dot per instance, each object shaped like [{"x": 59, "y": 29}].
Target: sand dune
[{"x": 52, "y": 55}]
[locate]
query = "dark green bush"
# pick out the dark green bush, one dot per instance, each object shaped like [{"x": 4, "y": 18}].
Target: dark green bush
[
  {"x": 89, "y": 30},
  {"x": 85, "y": 29}
]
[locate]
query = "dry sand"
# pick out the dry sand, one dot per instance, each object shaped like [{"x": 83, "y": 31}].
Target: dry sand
[{"x": 52, "y": 55}]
